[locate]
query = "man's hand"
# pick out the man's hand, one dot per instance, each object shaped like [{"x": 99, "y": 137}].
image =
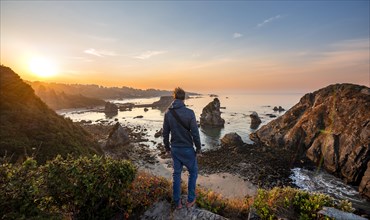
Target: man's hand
[{"x": 168, "y": 153}]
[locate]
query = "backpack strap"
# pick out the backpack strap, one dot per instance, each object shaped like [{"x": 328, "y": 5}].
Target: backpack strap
[{"x": 177, "y": 117}]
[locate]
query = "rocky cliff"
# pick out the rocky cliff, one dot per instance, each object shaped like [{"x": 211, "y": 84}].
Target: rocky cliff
[
  {"x": 29, "y": 128},
  {"x": 331, "y": 127}
]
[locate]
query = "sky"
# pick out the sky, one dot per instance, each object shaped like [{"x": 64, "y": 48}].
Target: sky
[{"x": 202, "y": 46}]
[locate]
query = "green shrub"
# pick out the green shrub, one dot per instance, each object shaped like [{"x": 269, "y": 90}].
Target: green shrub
[
  {"x": 293, "y": 203},
  {"x": 86, "y": 187},
  {"x": 19, "y": 189},
  {"x": 83, "y": 188}
]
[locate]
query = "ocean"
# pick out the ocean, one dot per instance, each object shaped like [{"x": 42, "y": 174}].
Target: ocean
[{"x": 236, "y": 109}]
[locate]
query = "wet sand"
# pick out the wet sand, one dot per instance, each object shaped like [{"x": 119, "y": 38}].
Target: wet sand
[{"x": 228, "y": 185}]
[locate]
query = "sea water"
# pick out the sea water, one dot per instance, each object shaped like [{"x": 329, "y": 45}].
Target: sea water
[{"x": 236, "y": 110}]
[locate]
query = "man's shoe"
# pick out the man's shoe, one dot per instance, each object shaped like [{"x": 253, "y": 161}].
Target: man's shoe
[
  {"x": 179, "y": 206},
  {"x": 190, "y": 204}
]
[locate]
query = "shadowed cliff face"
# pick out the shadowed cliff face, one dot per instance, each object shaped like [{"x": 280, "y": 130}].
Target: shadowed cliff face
[
  {"x": 331, "y": 127},
  {"x": 29, "y": 128}
]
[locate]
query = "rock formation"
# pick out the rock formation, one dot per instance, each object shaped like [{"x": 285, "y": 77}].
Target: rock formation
[
  {"x": 111, "y": 108},
  {"x": 163, "y": 103},
  {"x": 117, "y": 137},
  {"x": 233, "y": 141},
  {"x": 211, "y": 115},
  {"x": 280, "y": 109},
  {"x": 158, "y": 133},
  {"x": 331, "y": 127},
  {"x": 162, "y": 210},
  {"x": 255, "y": 120}
]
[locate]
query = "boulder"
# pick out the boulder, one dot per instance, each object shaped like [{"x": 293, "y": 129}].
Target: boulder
[
  {"x": 117, "y": 137},
  {"x": 233, "y": 141},
  {"x": 111, "y": 108},
  {"x": 279, "y": 109},
  {"x": 158, "y": 133},
  {"x": 332, "y": 126},
  {"x": 334, "y": 213},
  {"x": 162, "y": 210},
  {"x": 211, "y": 115},
  {"x": 255, "y": 120}
]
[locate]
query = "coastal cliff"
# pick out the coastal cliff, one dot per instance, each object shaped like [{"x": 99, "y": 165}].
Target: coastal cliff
[
  {"x": 331, "y": 127},
  {"x": 30, "y": 128}
]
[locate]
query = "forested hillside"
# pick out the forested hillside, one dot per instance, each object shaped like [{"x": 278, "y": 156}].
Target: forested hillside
[{"x": 30, "y": 128}]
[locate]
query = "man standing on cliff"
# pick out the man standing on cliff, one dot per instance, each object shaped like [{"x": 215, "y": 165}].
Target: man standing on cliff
[{"x": 180, "y": 122}]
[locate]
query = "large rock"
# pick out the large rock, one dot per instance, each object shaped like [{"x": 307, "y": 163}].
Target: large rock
[
  {"x": 111, "y": 108},
  {"x": 334, "y": 213},
  {"x": 211, "y": 115},
  {"x": 330, "y": 126},
  {"x": 162, "y": 210},
  {"x": 163, "y": 103},
  {"x": 255, "y": 120},
  {"x": 233, "y": 141},
  {"x": 117, "y": 137}
]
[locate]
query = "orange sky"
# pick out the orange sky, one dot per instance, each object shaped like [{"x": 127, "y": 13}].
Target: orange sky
[{"x": 159, "y": 45}]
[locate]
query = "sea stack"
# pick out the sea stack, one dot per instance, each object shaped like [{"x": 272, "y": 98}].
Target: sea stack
[
  {"x": 110, "y": 109},
  {"x": 211, "y": 115},
  {"x": 255, "y": 120}
]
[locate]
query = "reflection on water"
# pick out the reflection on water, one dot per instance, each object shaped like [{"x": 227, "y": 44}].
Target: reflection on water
[
  {"x": 213, "y": 135},
  {"x": 321, "y": 181}
]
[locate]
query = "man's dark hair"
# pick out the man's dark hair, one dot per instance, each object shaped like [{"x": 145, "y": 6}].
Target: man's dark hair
[{"x": 179, "y": 93}]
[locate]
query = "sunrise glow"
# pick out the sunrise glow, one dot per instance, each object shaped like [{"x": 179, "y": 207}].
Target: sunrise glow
[
  {"x": 223, "y": 46},
  {"x": 42, "y": 67}
]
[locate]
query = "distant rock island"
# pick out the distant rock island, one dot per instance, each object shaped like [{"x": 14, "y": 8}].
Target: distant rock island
[
  {"x": 62, "y": 96},
  {"x": 331, "y": 127}
]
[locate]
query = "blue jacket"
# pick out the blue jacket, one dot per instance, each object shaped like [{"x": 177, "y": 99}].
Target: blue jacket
[{"x": 180, "y": 137}]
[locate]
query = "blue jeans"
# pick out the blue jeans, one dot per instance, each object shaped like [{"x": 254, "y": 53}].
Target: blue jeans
[{"x": 184, "y": 156}]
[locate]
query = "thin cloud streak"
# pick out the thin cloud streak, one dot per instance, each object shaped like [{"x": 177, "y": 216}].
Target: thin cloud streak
[
  {"x": 237, "y": 35},
  {"x": 269, "y": 20},
  {"x": 100, "y": 53},
  {"x": 148, "y": 54}
]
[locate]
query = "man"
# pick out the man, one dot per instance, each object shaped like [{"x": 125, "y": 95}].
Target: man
[{"x": 180, "y": 122}]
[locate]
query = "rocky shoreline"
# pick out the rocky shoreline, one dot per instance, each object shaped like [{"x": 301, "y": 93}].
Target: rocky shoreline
[{"x": 253, "y": 163}]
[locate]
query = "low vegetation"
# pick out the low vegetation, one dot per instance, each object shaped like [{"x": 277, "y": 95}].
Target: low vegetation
[
  {"x": 102, "y": 188},
  {"x": 290, "y": 203},
  {"x": 82, "y": 188}
]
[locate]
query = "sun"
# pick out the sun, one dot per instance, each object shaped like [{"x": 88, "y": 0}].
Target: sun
[{"x": 42, "y": 67}]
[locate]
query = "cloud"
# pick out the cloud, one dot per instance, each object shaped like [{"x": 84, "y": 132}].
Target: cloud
[
  {"x": 269, "y": 20},
  {"x": 237, "y": 35},
  {"x": 103, "y": 39},
  {"x": 347, "y": 52},
  {"x": 100, "y": 53},
  {"x": 148, "y": 54}
]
